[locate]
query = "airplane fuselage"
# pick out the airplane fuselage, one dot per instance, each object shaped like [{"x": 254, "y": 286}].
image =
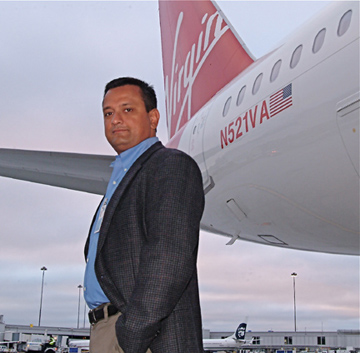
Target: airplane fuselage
[
  {"x": 280, "y": 160},
  {"x": 228, "y": 343}
]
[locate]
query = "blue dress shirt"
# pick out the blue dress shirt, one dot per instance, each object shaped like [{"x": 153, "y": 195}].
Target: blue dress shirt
[{"x": 93, "y": 293}]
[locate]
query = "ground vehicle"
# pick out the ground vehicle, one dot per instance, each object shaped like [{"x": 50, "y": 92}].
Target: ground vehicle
[{"x": 33, "y": 347}]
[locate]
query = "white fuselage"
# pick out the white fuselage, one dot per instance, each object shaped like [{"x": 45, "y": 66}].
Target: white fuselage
[
  {"x": 229, "y": 343},
  {"x": 291, "y": 179}
]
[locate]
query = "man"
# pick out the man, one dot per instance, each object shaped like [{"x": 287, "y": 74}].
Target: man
[{"x": 141, "y": 277}]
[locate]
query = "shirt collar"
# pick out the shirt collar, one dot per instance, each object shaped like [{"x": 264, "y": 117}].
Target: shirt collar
[{"x": 128, "y": 157}]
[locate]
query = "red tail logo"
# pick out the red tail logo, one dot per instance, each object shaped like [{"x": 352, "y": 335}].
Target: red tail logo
[{"x": 201, "y": 54}]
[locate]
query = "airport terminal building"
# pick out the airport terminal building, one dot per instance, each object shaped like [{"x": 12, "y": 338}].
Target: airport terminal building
[
  {"x": 340, "y": 341},
  {"x": 309, "y": 341}
]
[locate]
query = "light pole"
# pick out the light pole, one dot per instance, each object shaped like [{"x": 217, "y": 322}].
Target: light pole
[
  {"x": 43, "y": 269},
  {"x": 79, "y": 286},
  {"x": 293, "y": 275},
  {"x": 84, "y": 314},
  {"x": 84, "y": 306}
]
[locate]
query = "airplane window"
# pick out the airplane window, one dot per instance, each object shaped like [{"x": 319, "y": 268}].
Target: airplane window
[
  {"x": 319, "y": 41},
  {"x": 275, "y": 71},
  {"x": 241, "y": 96},
  {"x": 257, "y": 84},
  {"x": 344, "y": 23},
  {"x": 296, "y": 56},
  {"x": 227, "y": 106}
]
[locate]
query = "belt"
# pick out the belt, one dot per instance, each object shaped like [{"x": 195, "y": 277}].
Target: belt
[{"x": 97, "y": 314}]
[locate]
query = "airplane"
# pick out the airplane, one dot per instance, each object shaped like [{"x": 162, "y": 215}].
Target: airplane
[
  {"x": 210, "y": 345},
  {"x": 276, "y": 138},
  {"x": 232, "y": 342}
]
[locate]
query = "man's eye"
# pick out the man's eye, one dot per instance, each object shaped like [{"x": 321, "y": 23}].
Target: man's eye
[
  {"x": 127, "y": 110},
  {"x": 107, "y": 114}
]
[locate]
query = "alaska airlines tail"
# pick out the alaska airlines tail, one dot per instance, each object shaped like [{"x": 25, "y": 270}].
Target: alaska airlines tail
[
  {"x": 201, "y": 54},
  {"x": 240, "y": 332}
]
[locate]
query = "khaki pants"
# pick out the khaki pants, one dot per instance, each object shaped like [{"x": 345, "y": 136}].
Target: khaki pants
[{"x": 103, "y": 336}]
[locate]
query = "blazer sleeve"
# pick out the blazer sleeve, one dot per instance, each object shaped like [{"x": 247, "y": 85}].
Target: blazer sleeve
[{"x": 174, "y": 206}]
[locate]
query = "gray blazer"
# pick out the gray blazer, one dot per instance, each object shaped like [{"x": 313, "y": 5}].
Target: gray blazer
[{"x": 147, "y": 252}]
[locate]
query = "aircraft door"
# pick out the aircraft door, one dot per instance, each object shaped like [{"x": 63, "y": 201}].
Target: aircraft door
[
  {"x": 196, "y": 147},
  {"x": 348, "y": 122}
]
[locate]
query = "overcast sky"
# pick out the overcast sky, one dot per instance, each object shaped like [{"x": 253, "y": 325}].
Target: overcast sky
[{"x": 55, "y": 58}]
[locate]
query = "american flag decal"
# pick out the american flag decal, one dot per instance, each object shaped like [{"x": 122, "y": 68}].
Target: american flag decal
[{"x": 281, "y": 100}]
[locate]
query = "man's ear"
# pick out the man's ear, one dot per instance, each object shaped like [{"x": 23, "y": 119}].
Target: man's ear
[{"x": 154, "y": 116}]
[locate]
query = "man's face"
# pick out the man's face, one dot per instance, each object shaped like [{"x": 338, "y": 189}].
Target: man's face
[{"x": 127, "y": 123}]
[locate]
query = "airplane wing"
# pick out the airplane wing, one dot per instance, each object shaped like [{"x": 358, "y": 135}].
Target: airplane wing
[{"x": 82, "y": 172}]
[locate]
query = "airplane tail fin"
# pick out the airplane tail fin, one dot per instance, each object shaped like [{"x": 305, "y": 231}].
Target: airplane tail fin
[
  {"x": 201, "y": 54},
  {"x": 240, "y": 332}
]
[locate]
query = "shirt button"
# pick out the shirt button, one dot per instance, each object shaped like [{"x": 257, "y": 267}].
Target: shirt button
[{"x": 114, "y": 182}]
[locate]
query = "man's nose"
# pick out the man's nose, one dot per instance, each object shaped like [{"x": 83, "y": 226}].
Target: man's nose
[{"x": 117, "y": 118}]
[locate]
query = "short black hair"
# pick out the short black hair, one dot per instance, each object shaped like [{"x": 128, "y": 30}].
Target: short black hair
[{"x": 147, "y": 91}]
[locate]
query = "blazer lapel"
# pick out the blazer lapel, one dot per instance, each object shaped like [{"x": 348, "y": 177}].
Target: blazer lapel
[{"x": 116, "y": 197}]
